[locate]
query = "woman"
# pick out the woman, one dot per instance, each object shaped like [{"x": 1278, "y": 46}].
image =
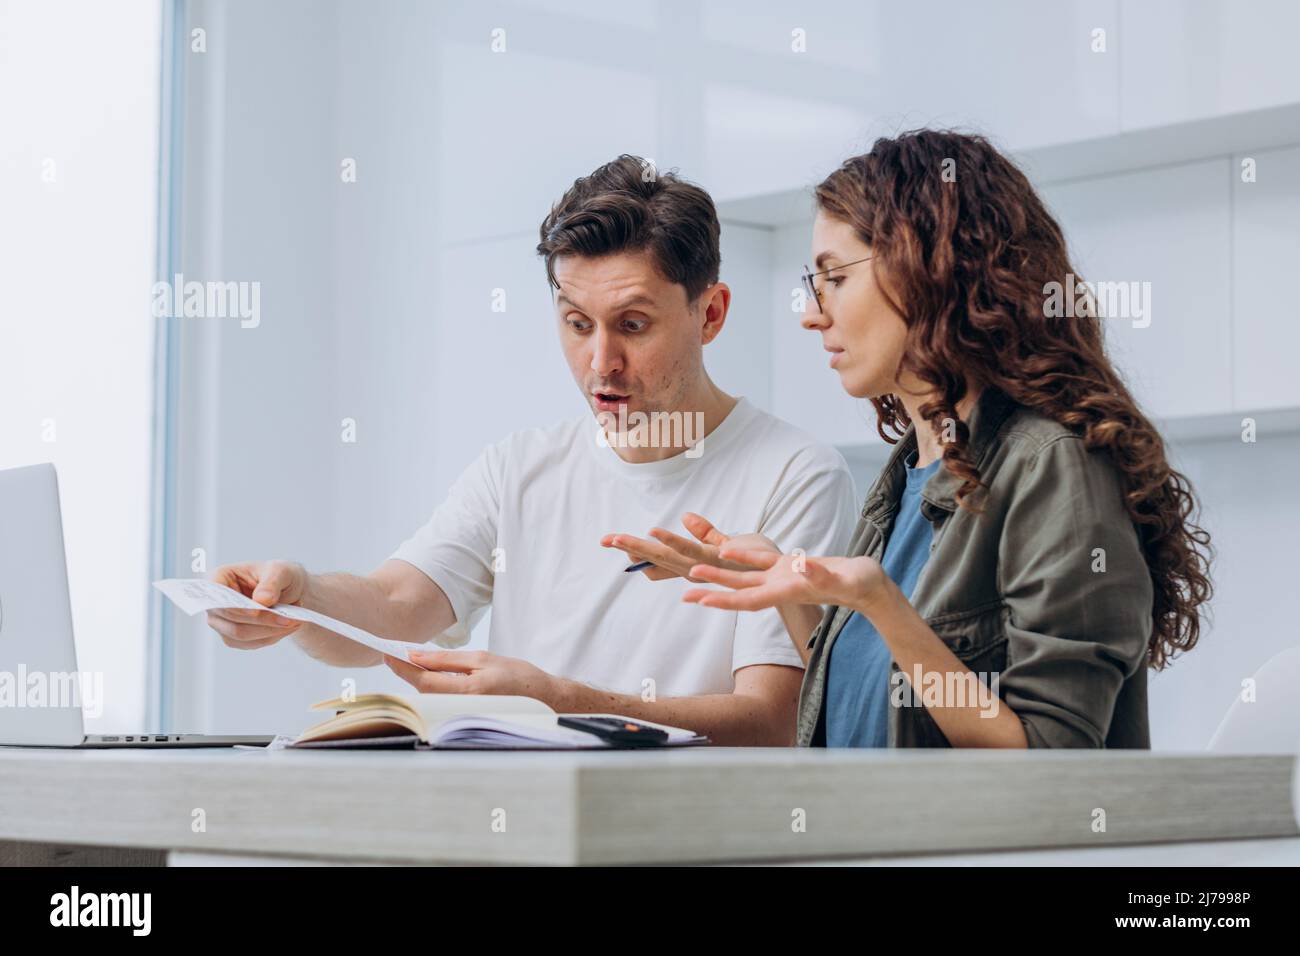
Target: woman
[{"x": 1027, "y": 551}]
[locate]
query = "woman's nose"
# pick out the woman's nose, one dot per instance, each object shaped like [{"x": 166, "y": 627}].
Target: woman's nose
[{"x": 813, "y": 319}]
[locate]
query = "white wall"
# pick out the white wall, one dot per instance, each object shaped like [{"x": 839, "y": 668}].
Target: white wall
[
  {"x": 1252, "y": 512},
  {"x": 377, "y": 294}
]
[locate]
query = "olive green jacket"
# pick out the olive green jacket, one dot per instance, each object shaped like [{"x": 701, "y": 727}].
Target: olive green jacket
[{"x": 1046, "y": 590}]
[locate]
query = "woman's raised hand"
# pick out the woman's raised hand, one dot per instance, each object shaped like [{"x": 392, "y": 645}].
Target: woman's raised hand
[{"x": 785, "y": 579}]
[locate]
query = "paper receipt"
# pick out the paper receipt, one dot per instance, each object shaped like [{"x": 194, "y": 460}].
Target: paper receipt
[{"x": 193, "y": 595}]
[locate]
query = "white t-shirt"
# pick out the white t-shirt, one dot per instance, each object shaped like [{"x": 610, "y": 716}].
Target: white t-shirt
[{"x": 536, "y": 505}]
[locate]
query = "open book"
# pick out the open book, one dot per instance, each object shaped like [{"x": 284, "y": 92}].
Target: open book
[{"x": 457, "y": 722}]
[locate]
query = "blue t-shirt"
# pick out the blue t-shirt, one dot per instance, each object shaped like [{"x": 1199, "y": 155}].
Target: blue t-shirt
[{"x": 857, "y": 679}]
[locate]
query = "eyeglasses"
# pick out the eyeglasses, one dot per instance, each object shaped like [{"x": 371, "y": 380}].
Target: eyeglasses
[{"x": 810, "y": 283}]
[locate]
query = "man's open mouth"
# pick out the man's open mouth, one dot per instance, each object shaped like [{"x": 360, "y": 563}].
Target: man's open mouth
[{"x": 610, "y": 398}]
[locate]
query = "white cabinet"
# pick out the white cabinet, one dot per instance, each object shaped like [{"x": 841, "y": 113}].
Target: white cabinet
[
  {"x": 1168, "y": 231},
  {"x": 1192, "y": 59},
  {"x": 1265, "y": 262},
  {"x": 1022, "y": 71},
  {"x": 773, "y": 118},
  {"x": 1211, "y": 324}
]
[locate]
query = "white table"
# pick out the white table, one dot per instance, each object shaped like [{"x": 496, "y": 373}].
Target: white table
[{"x": 702, "y": 805}]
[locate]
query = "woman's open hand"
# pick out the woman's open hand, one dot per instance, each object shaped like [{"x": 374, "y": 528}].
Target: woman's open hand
[{"x": 786, "y": 579}]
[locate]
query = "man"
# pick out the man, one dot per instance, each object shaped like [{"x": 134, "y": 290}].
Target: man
[{"x": 632, "y": 257}]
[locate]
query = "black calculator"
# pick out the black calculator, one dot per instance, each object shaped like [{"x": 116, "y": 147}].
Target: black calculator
[{"x": 618, "y": 731}]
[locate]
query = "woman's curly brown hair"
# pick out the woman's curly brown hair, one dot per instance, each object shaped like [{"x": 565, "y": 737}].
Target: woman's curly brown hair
[{"x": 969, "y": 256}]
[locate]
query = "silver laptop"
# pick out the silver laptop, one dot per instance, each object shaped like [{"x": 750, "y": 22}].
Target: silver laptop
[{"x": 42, "y": 693}]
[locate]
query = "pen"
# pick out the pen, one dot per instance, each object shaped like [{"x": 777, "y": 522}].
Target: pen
[{"x": 639, "y": 566}]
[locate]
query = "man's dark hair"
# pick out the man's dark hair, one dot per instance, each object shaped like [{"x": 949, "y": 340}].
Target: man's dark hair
[{"x": 628, "y": 206}]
